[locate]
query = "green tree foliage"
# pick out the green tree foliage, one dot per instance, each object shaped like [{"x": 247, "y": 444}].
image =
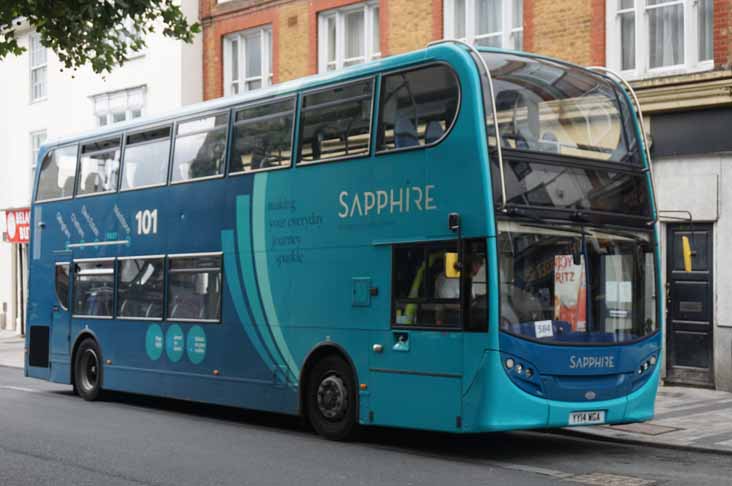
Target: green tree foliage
[{"x": 98, "y": 33}]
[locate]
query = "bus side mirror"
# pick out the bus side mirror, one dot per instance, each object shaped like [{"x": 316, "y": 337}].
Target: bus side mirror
[
  {"x": 452, "y": 265},
  {"x": 453, "y": 222},
  {"x": 686, "y": 252}
]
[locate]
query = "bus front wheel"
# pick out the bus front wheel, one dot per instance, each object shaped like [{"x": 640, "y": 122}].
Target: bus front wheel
[
  {"x": 88, "y": 370},
  {"x": 332, "y": 396}
]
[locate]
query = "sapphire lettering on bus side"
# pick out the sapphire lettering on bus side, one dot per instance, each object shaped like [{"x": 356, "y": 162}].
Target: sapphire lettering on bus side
[{"x": 394, "y": 201}]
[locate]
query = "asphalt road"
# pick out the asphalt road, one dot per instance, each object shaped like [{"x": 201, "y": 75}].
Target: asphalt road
[{"x": 49, "y": 436}]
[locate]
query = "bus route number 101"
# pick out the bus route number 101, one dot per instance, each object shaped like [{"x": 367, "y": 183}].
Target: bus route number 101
[{"x": 147, "y": 222}]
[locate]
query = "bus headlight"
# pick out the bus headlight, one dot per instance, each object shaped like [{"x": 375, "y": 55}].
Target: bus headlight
[{"x": 509, "y": 363}]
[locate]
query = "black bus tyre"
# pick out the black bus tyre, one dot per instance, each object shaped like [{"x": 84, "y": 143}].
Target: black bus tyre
[
  {"x": 331, "y": 399},
  {"x": 88, "y": 370}
]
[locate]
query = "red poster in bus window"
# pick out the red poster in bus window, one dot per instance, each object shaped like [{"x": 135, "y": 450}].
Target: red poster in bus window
[
  {"x": 17, "y": 225},
  {"x": 570, "y": 302}
]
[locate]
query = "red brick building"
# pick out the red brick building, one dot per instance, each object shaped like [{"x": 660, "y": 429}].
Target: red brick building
[{"x": 677, "y": 54}]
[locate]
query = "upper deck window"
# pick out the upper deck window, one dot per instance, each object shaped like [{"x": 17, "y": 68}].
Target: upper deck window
[
  {"x": 489, "y": 23},
  {"x": 551, "y": 107},
  {"x": 336, "y": 122},
  {"x": 417, "y": 107},
  {"x": 58, "y": 172},
  {"x": 200, "y": 147},
  {"x": 99, "y": 166},
  {"x": 262, "y": 137},
  {"x": 146, "y": 158}
]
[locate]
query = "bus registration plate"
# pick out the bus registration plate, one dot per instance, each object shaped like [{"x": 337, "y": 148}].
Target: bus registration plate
[{"x": 587, "y": 418}]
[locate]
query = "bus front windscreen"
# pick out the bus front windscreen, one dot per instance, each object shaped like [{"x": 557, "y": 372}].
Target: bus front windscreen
[
  {"x": 568, "y": 138},
  {"x": 576, "y": 285},
  {"x": 555, "y": 108}
]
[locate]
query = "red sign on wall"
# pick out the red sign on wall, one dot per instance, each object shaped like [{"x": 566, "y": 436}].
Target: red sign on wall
[{"x": 17, "y": 225}]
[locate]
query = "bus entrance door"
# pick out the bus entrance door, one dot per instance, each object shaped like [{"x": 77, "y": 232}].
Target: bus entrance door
[{"x": 416, "y": 379}]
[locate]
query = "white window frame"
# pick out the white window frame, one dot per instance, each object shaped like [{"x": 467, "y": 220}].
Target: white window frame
[
  {"x": 507, "y": 16},
  {"x": 37, "y": 138},
  {"x": 108, "y": 113},
  {"x": 238, "y": 78},
  {"x": 38, "y": 56},
  {"x": 372, "y": 47},
  {"x": 642, "y": 70}
]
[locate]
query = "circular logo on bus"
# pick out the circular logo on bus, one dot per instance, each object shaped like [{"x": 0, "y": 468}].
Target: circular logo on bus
[
  {"x": 154, "y": 342},
  {"x": 590, "y": 395},
  {"x": 174, "y": 343},
  {"x": 196, "y": 345}
]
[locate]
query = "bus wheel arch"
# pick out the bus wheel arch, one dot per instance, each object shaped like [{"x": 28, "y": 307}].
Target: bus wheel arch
[
  {"x": 334, "y": 356},
  {"x": 87, "y": 340}
]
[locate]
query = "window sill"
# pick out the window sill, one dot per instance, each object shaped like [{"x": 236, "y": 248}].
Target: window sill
[
  {"x": 665, "y": 72},
  {"x": 38, "y": 100}
]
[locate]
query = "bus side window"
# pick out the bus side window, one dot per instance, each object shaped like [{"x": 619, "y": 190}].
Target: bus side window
[
  {"x": 62, "y": 285},
  {"x": 145, "y": 161},
  {"x": 140, "y": 288},
  {"x": 423, "y": 294},
  {"x": 417, "y": 107},
  {"x": 262, "y": 137},
  {"x": 194, "y": 288},
  {"x": 200, "y": 147},
  {"x": 94, "y": 289},
  {"x": 99, "y": 166},
  {"x": 58, "y": 173},
  {"x": 336, "y": 122}
]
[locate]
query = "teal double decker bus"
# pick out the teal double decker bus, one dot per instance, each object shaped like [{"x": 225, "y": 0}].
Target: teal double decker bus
[{"x": 452, "y": 239}]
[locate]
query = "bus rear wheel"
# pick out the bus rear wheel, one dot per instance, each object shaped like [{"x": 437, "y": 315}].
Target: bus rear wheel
[
  {"x": 88, "y": 370},
  {"x": 331, "y": 399}
]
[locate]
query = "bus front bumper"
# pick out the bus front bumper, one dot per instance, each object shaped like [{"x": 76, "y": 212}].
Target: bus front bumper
[{"x": 493, "y": 402}]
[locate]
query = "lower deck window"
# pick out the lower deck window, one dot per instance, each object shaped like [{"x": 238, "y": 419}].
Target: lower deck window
[
  {"x": 194, "y": 288},
  {"x": 428, "y": 292},
  {"x": 94, "y": 289},
  {"x": 140, "y": 288}
]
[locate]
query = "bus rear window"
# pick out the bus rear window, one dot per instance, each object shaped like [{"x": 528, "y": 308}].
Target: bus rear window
[
  {"x": 58, "y": 173},
  {"x": 336, "y": 122}
]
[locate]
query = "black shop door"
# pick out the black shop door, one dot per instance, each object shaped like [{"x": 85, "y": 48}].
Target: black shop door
[{"x": 689, "y": 307}]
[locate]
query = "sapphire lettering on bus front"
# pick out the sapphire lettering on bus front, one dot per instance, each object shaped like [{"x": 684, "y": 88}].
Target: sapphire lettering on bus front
[{"x": 584, "y": 362}]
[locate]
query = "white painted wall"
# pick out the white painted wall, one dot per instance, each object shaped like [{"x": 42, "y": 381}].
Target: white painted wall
[
  {"x": 170, "y": 71},
  {"x": 701, "y": 184}
]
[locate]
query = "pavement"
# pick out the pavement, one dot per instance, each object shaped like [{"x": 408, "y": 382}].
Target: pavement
[
  {"x": 12, "y": 349},
  {"x": 686, "y": 418}
]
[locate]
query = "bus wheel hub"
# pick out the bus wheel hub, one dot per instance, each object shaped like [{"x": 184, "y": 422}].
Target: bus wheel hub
[{"x": 332, "y": 398}]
